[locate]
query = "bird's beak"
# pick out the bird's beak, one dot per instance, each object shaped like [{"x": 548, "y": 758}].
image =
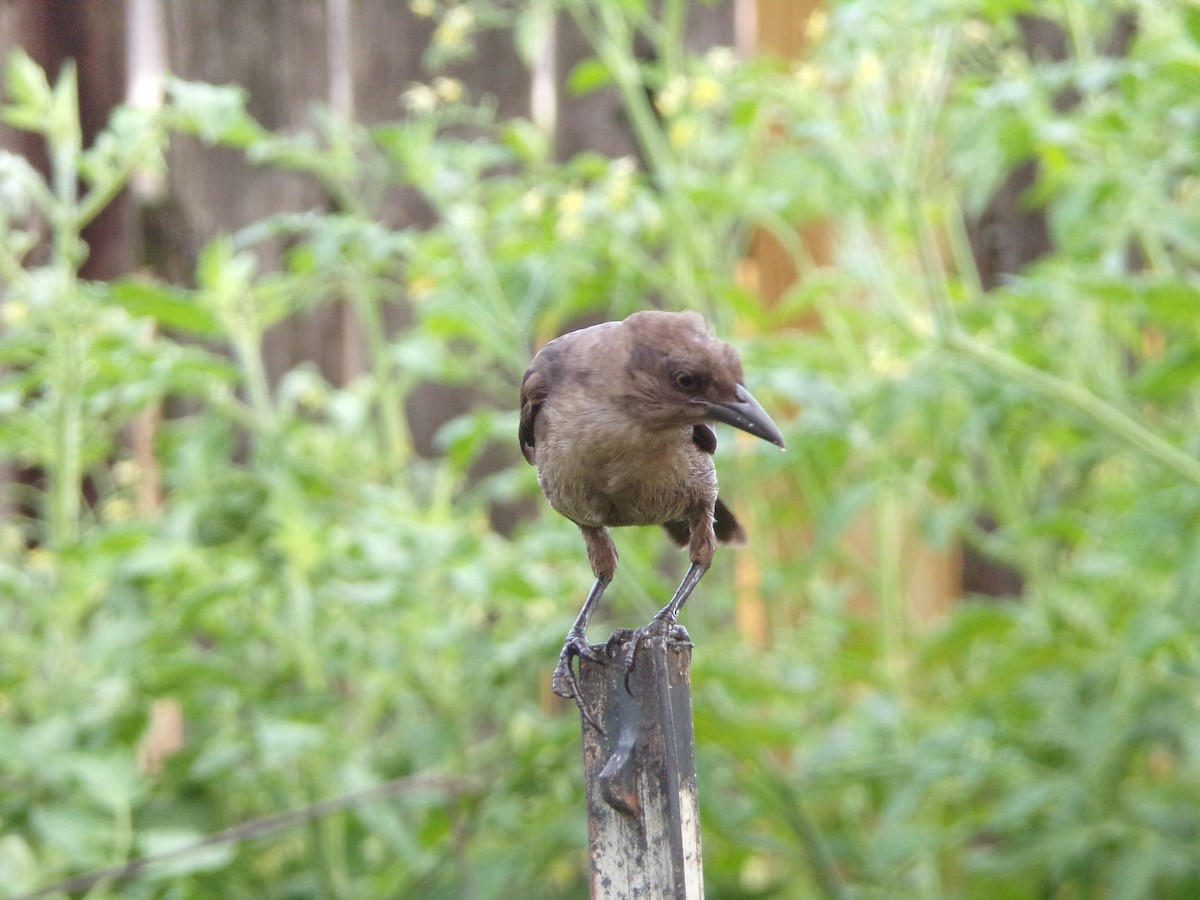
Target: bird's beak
[{"x": 745, "y": 413}]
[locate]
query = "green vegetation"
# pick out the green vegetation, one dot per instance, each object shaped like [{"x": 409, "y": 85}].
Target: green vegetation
[{"x": 333, "y": 613}]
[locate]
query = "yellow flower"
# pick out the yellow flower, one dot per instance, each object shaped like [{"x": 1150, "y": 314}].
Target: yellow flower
[
  {"x": 14, "y": 313},
  {"x": 448, "y": 90},
  {"x": 809, "y": 76},
  {"x": 670, "y": 99},
  {"x": 532, "y": 203},
  {"x": 12, "y": 542},
  {"x": 126, "y": 472},
  {"x": 454, "y": 27},
  {"x": 975, "y": 32},
  {"x": 1013, "y": 63},
  {"x": 421, "y": 98},
  {"x": 721, "y": 60},
  {"x": 817, "y": 26},
  {"x": 925, "y": 75},
  {"x": 570, "y": 214},
  {"x": 41, "y": 559},
  {"x": 620, "y": 182},
  {"x": 757, "y": 873},
  {"x": 569, "y": 228},
  {"x": 118, "y": 509},
  {"x": 421, "y": 287},
  {"x": 869, "y": 71},
  {"x": 681, "y": 134},
  {"x": 706, "y": 92},
  {"x": 312, "y": 398},
  {"x": 886, "y": 364},
  {"x": 571, "y": 203}
]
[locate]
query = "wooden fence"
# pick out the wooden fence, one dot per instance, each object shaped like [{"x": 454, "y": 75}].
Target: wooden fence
[{"x": 359, "y": 56}]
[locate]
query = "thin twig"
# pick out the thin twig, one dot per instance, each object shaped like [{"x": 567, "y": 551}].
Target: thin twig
[{"x": 257, "y": 828}]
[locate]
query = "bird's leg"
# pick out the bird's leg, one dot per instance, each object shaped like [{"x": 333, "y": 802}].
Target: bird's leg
[
  {"x": 700, "y": 546},
  {"x": 664, "y": 624},
  {"x": 602, "y": 554},
  {"x": 664, "y": 621},
  {"x": 564, "y": 683},
  {"x": 702, "y": 541}
]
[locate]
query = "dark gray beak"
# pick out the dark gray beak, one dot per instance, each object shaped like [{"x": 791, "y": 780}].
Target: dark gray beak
[{"x": 745, "y": 413}]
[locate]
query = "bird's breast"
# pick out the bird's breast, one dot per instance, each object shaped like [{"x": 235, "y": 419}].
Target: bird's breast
[{"x": 599, "y": 469}]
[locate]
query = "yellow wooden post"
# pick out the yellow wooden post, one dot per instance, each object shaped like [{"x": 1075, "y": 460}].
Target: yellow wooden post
[{"x": 932, "y": 579}]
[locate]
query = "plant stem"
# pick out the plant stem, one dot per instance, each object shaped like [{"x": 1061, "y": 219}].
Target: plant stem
[
  {"x": 397, "y": 444},
  {"x": 889, "y": 588},
  {"x": 247, "y": 341},
  {"x": 94, "y": 202},
  {"x": 820, "y": 857},
  {"x": 1069, "y": 393},
  {"x": 1079, "y": 399},
  {"x": 610, "y": 36},
  {"x": 65, "y": 472},
  {"x": 674, "y": 20}
]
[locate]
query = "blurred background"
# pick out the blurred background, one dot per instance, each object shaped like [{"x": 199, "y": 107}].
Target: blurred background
[{"x": 279, "y": 598}]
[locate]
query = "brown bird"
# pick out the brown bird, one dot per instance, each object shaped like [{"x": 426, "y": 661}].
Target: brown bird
[{"x": 616, "y": 419}]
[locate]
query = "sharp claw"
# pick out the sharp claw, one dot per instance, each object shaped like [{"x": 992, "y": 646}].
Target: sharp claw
[
  {"x": 657, "y": 628},
  {"x": 592, "y": 655},
  {"x": 565, "y": 683},
  {"x": 679, "y": 635},
  {"x": 615, "y": 640}
]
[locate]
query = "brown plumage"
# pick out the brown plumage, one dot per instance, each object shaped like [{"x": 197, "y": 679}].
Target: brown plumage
[{"x": 616, "y": 419}]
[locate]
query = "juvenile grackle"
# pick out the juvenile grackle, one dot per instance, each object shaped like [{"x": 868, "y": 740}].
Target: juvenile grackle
[{"x": 616, "y": 418}]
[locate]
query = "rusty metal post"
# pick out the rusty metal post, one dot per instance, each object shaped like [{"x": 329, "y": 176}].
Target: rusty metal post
[{"x": 640, "y": 775}]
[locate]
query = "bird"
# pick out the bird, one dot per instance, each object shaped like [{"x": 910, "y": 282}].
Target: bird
[{"x": 618, "y": 420}]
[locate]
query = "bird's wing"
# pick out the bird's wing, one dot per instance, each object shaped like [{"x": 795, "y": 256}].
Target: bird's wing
[{"x": 533, "y": 394}]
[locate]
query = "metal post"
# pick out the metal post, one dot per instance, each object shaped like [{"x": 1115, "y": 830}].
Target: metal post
[{"x": 640, "y": 775}]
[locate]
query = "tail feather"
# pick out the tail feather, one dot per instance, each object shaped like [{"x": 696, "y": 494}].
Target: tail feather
[{"x": 727, "y": 527}]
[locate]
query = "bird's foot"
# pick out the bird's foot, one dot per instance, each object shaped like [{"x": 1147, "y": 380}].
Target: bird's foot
[
  {"x": 657, "y": 628},
  {"x": 565, "y": 682},
  {"x": 660, "y": 626}
]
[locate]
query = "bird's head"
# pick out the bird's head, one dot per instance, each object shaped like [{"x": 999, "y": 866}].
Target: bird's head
[{"x": 679, "y": 374}]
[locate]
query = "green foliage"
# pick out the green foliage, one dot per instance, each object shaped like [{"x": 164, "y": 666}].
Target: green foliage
[{"x": 333, "y": 612}]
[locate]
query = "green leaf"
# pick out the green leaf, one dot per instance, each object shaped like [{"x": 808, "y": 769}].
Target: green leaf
[
  {"x": 18, "y": 865},
  {"x": 1191, "y": 22},
  {"x": 110, "y": 780},
  {"x": 527, "y": 141},
  {"x": 589, "y": 76},
  {"x": 216, "y": 114},
  {"x": 530, "y": 32},
  {"x": 20, "y": 187},
  {"x": 842, "y": 512},
  {"x": 174, "y": 309},
  {"x": 27, "y": 84},
  {"x": 183, "y": 852},
  {"x": 1135, "y": 872},
  {"x": 63, "y": 129}
]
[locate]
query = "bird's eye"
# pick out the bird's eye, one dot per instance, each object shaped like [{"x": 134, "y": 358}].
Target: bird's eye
[{"x": 685, "y": 380}]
